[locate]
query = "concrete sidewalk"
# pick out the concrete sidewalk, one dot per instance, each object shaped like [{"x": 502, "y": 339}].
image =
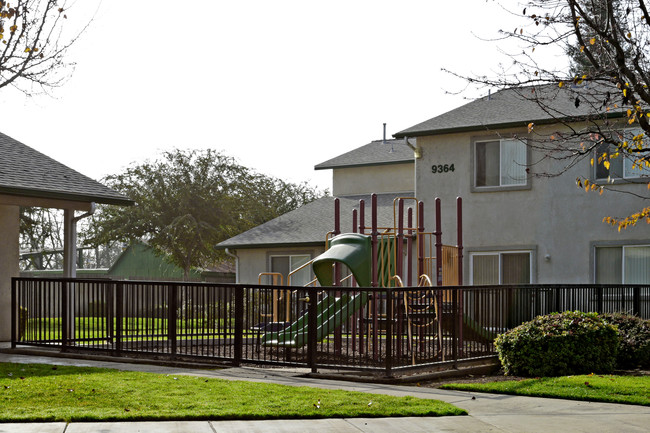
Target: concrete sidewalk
[{"x": 487, "y": 412}]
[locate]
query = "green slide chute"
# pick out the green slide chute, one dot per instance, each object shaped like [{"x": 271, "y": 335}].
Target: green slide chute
[{"x": 354, "y": 251}]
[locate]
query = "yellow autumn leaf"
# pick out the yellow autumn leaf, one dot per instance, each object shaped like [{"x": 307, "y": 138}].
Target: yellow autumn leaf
[
  {"x": 606, "y": 164},
  {"x": 582, "y": 48},
  {"x": 592, "y": 162},
  {"x": 27, "y": 50},
  {"x": 592, "y": 41},
  {"x": 560, "y": 84}
]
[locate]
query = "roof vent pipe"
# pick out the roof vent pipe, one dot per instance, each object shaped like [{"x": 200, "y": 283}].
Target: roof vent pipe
[
  {"x": 489, "y": 94},
  {"x": 384, "y": 140}
]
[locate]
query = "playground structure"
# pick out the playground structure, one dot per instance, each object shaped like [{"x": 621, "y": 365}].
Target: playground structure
[{"x": 371, "y": 257}]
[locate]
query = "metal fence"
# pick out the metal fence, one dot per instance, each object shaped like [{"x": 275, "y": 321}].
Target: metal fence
[{"x": 388, "y": 330}]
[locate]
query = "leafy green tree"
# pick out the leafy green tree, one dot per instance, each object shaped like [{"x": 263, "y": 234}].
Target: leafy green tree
[{"x": 188, "y": 201}]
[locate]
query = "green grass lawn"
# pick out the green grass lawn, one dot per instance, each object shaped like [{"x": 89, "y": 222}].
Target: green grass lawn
[
  {"x": 37, "y": 392},
  {"x": 604, "y": 388}
]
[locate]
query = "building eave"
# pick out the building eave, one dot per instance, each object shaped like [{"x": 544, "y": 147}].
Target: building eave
[{"x": 65, "y": 196}]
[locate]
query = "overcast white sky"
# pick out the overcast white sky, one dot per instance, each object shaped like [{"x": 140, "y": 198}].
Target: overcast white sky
[{"x": 280, "y": 85}]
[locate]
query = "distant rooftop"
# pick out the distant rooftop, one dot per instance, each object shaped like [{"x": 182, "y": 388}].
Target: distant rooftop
[
  {"x": 376, "y": 152},
  {"x": 26, "y": 172},
  {"x": 309, "y": 224}
]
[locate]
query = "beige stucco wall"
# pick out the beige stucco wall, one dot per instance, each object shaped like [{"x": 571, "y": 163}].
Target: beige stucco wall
[
  {"x": 373, "y": 179},
  {"x": 553, "y": 218},
  {"x": 253, "y": 261},
  {"x": 9, "y": 231}
]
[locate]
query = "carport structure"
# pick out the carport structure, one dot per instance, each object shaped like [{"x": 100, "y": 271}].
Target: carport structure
[{"x": 30, "y": 178}]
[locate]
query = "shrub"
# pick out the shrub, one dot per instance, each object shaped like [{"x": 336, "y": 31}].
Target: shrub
[
  {"x": 634, "y": 340},
  {"x": 559, "y": 344}
]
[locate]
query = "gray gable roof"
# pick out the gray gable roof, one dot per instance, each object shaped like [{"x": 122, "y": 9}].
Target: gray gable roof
[
  {"x": 26, "y": 172},
  {"x": 309, "y": 224},
  {"x": 376, "y": 152},
  {"x": 515, "y": 107}
]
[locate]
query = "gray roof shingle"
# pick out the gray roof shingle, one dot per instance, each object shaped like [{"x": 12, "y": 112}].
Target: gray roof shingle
[
  {"x": 515, "y": 107},
  {"x": 376, "y": 152},
  {"x": 309, "y": 224},
  {"x": 25, "y": 171}
]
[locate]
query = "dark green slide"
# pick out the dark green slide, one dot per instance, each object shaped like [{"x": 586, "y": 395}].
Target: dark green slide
[
  {"x": 332, "y": 313},
  {"x": 352, "y": 250}
]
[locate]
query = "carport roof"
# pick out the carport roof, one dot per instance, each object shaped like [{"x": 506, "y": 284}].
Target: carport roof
[{"x": 26, "y": 172}]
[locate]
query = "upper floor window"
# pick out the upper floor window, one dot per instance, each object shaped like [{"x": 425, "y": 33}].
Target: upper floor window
[
  {"x": 611, "y": 163},
  {"x": 499, "y": 163}
]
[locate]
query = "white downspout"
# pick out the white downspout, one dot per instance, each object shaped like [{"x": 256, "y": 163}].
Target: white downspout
[{"x": 236, "y": 257}]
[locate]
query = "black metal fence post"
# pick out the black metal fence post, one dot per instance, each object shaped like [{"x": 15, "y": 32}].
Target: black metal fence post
[
  {"x": 636, "y": 301},
  {"x": 14, "y": 309},
  {"x": 172, "y": 317},
  {"x": 454, "y": 327},
  {"x": 65, "y": 315},
  {"x": 239, "y": 325},
  {"x": 119, "y": 316},
  {"x": 389, "y": 332},
  {"x": 599, "y": 300},
  {"x": 312, "y": 330}
]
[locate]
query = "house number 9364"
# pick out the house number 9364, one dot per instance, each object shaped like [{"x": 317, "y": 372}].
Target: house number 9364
[{"x": 442, "y": 168}]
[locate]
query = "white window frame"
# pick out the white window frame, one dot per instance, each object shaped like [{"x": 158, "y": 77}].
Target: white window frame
[
  {"x": 500, "y": 262},
  {"x": 622, "y": 247},
  {"x": 291, "y": 266},
  {"x": 627, "y": 162},
  {"x": 525, "y": 184}
]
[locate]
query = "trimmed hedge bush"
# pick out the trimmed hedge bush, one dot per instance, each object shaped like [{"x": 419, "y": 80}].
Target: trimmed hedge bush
[
  {"x": 634, "y": 340},
  {"x": 559, "y": 344}
]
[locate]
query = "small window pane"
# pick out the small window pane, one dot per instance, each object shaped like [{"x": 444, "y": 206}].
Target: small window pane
[
  {"x": 487, "y": 163},
  {"x": 515, "y": 268},
  {"x": 280, "y": 264},
  {"x": 635, "y": 168},
  {"x": 637, "y": 265},
  {"x": 513, "y": 162},
  {"x": 609, "y": 265},
  {"x": 485, "y": 269},
  {"x": 303, "y": 276},
  {"x": 615, "y": 170}
]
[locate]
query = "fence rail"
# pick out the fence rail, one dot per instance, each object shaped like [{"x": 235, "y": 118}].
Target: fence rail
[{"x": 387, "y": 330}]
